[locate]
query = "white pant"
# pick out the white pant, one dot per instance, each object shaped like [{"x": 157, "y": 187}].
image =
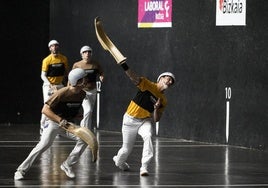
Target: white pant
[
  {"x": 88, "y": 107},
  {"x": 131, "y": 127},
  {"x": 46, "y": 140},
  {"x": 47, "y": 89}
]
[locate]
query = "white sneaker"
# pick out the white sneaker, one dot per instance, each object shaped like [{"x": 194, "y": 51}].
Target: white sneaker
[
  {"x": 18, "y": 175},
  {"x": 124, "y": 166},
  {"x": 68, "y": 170},
  {"x": 144, "y": 172}
]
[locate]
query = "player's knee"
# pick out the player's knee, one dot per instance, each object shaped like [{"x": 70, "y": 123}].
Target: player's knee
[
  {"x": 147, "y": 136},
  {"x": 125, "y": 150}
]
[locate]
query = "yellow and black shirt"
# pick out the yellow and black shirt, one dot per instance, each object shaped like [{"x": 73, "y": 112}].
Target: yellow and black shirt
[
  {"x": 142, "y": 105},
  {"x": 55, "y": 66}
]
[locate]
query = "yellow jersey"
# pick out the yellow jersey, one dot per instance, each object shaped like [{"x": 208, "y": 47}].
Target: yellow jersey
[
  {"x": 55, "y": 67},
  {"x": 142, "y": 105}
]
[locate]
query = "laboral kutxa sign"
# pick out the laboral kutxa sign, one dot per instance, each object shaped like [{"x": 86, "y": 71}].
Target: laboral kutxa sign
[
  {"x": 154, "y": 13},
  {"x": 230, "y": 12}
]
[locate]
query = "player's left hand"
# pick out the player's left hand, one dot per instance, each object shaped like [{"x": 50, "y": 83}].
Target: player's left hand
[{"x": 63, "y": 123}]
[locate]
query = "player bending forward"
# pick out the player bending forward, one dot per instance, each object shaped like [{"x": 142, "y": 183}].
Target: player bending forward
[{"x": 60, "y": 108}]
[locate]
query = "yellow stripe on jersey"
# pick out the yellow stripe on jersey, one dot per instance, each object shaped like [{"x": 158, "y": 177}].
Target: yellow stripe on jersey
[
  {"x": 136, "y": 111},
  {"x": 141, "y": 106}
]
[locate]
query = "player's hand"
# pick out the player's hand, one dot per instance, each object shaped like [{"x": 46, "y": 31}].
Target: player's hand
[
  {"x": 63, "y": 123},
  {"x": 157, "y": 105}
]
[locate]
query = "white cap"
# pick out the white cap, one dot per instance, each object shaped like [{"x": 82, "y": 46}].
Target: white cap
[
  {"x": 53, "y": 42},
  {"x": 167, "y": 74},
  {"x": 75, "y": 75},
  {"x": 85, "y": 48}
]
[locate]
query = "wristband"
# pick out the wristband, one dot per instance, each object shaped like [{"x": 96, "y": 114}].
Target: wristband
[{"x": 125, "y": 66}]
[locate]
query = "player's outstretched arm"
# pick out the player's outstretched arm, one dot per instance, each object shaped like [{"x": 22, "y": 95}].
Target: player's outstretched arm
[{"x": 134, "y": 77}]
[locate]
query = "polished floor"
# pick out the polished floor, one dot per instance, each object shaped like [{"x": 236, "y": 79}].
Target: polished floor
[{"x": 177, "y": 163}]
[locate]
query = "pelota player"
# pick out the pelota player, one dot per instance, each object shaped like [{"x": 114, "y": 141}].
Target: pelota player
[
  {"x": 94, "y": 71},
  {"x": 60, "y": 108},
  {"x": 146, "y": 107},
  {"x": 54, "y": 70}
]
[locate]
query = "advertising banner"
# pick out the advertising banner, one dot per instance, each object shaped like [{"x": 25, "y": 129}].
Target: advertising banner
[
  {"x": 154, "y": 13},
  {"x": 230, "y": 12}
]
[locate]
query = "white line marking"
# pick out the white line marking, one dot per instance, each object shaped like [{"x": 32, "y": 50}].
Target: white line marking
[
  {"x": 179, "y": 185},
  {"x": 227, "y": 120}
]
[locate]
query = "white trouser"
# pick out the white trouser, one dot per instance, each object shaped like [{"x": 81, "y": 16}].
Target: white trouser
[
  {"x": 88, "y": 107},
  {"x": 46, "y": 140},
  {"x": 131, "y": 127},
  {"x": 78, "y": 150},
  {"x": 47, "y": 91}
]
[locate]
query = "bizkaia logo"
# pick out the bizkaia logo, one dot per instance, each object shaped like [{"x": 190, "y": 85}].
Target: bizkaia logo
[{"x": 231, "y": 6}]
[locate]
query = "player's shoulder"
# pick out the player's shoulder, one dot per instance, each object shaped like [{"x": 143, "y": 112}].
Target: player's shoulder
[
  {"x": 93, "y": 64},
  {"x": 63, "y": 57},
  {"x": 78, "y": 64},
  {"x": 62, "y": 91},
  {"x": 47, "y": 58},
  {"x": 95, "y": 61},
  {"x": 146, "y": 80}
]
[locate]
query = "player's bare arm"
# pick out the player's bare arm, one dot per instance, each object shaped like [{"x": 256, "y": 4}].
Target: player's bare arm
[
  {"x": 50, "y": 114},
  {"x": 135, "y": 78}
]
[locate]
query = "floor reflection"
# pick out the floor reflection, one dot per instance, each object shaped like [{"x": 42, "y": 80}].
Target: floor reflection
[
  {"x": 176, "y": 163},
  {"x": 226, "y": 166}
]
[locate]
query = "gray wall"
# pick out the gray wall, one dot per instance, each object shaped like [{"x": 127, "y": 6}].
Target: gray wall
[{"x": 205, "y": 59}]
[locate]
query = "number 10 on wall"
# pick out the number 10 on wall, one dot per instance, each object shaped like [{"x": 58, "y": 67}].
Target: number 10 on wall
[{"x": 228, "y": 95}]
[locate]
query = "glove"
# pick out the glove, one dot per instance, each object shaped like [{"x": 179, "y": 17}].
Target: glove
[
  {"x": 52, "y": 90},
  {"x": 63, "y": 123}
]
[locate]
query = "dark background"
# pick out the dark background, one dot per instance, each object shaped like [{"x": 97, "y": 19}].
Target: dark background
[
  {"x": 24, "y": 38},
  {"x": 204, "y": 57}
]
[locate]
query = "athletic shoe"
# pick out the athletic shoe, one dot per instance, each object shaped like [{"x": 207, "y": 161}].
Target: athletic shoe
[
  {"x": 144, "y": 172},
  {"x": 19, "y": 175},
  {"x": 68, "y": 170},
  {"x": 124, "y": 166}
]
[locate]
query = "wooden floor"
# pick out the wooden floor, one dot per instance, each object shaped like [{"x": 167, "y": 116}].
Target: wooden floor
[{"x": 177, "y": 163}]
